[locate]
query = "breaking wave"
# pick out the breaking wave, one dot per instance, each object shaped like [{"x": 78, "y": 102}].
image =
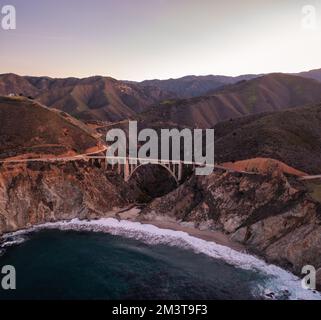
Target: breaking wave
[{"x": 281, "y": 283}]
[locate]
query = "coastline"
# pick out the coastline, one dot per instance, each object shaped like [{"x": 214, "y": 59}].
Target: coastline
[
  {"x": 281, "y": 283},
  {"x": 219, "y": 237},
  {"x": 131, "y": 214},
  {"x": 162, "y": 222},
  {"x": 212, "y": 236}
]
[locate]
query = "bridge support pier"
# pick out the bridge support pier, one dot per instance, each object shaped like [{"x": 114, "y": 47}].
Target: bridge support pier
[
  {"x": 127, "y": 170},
  {"x": 180, "y": 172}
]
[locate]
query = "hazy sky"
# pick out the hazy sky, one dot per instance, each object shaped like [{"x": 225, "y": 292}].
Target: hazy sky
[{"x": 146, "y": 39}]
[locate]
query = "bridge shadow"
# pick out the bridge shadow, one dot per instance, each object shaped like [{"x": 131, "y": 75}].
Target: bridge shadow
[{"x": 153, "y": 180}]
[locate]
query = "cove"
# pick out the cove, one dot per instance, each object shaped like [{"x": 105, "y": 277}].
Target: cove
[
  {"x": 111, "y": 259},
  {"x": 54, "y": 264}
]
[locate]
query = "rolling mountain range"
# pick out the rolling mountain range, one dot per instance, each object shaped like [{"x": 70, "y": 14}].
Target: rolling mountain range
[
  {"x": 312, "y": 74},
  {"x": 194, "y": 86},
  {"x": 193, "y": 101},
  {"x": 95, "y": 98},
  {"x": 271, "y": 92}
]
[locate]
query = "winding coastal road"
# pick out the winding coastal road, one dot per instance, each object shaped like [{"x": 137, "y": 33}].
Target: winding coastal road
[
  {"x": 55, "y": 159},
  {"x": 94, "y": 156}
]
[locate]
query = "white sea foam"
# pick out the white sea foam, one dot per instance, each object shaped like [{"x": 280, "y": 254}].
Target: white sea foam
[
  {"x": 13, "y": 240},
  {"x": 280, "y": 283}
]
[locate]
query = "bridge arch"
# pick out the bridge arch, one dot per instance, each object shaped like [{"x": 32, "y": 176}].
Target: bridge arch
[{"x": 167, "y": 167}]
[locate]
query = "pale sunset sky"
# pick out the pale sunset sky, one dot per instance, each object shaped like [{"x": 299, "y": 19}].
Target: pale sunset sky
[{"x": 147, "y": 39}]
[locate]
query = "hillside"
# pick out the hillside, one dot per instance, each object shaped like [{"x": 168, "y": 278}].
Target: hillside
[
  {"x": 292, "y": 136},
  {"x": 267, "y": 93},
  {"x": 94, "y": 98},
  {"x": 312, "y": 74},
  {"x": 263, "y": 166},
  {"x": 193, "y": 100},
  {"x": 30, "y": 129},
  {"x": 194, "y": 86}
]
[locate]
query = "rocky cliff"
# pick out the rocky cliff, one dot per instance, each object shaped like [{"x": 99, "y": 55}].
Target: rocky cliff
[
  {"x": 46, "y": 192},
  {"x": 271, "y": 216}
]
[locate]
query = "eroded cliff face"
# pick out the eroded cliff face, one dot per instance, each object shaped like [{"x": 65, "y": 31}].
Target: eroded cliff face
[
  {"x": 39, "y": 193},
  {"x": 273, "y": 218}
]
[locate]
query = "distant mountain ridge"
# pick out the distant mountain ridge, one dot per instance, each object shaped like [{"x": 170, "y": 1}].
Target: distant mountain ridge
[
  {"x": 94, "y": 98},
  {"x": 195, "y": 86},
  {"x": 312, "y": 74},
  {"x": 271, "y": 92},
  {"x": 213, "y": 98}
]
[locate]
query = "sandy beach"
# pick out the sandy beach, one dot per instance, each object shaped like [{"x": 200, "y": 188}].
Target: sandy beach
[
  {"x": 213, "y": 236},
  {"x": 132, "y": 214}
]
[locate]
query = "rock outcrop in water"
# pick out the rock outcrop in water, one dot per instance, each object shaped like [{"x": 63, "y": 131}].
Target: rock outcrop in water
[{"x": 274, "y": 218}]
